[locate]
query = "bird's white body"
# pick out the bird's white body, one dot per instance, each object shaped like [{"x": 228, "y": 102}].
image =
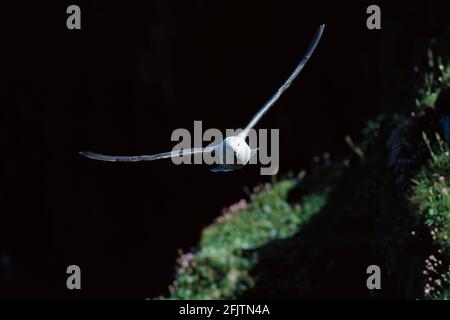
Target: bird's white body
[{"x": 233, "y": 152}]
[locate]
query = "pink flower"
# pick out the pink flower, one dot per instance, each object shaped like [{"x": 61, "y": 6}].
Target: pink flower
[
  {"x": 186, "y": 259},
  {"x": 242, "y": 204},
  {"x": 441, "y": 178}
]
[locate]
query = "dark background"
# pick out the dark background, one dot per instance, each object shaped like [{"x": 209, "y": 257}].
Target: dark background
[{"x": 133, "y": 74}]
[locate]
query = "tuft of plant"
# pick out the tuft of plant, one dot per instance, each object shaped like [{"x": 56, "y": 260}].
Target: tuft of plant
[{"x": 435, "y": 80}]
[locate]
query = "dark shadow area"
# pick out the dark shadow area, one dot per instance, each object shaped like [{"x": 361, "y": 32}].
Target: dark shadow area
[{"x": 365, "y": 222}]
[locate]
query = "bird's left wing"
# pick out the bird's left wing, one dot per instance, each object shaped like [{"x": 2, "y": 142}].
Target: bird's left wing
[
  {"x": 175, "y": 153},
  {"x": 286, "y": 84}
]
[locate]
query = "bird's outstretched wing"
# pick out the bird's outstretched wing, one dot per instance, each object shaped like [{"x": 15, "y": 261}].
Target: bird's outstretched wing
[
  {"x": 176, "y": 153},
  {"x": 286, "y": 84}
]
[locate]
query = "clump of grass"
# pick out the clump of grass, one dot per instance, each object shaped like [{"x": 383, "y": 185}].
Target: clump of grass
[{"x": 436, "y": 78}]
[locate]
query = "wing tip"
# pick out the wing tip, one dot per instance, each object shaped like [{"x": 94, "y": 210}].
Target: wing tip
[
  {"x": 90, "y": 155},
  {"x": 83, "y": 153},
  {"x": 321, "y": 29}
]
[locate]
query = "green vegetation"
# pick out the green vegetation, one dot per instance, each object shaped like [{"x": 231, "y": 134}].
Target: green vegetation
[
  {"x": 431, "y": 198},
  {"x": 220, "y": 268},
  {"x": 386, "y": 203}
]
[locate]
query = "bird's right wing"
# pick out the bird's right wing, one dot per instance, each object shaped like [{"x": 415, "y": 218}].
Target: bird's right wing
[
  {"x": 286, "y": 84},
  {"x": 172, "y": 154}
]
